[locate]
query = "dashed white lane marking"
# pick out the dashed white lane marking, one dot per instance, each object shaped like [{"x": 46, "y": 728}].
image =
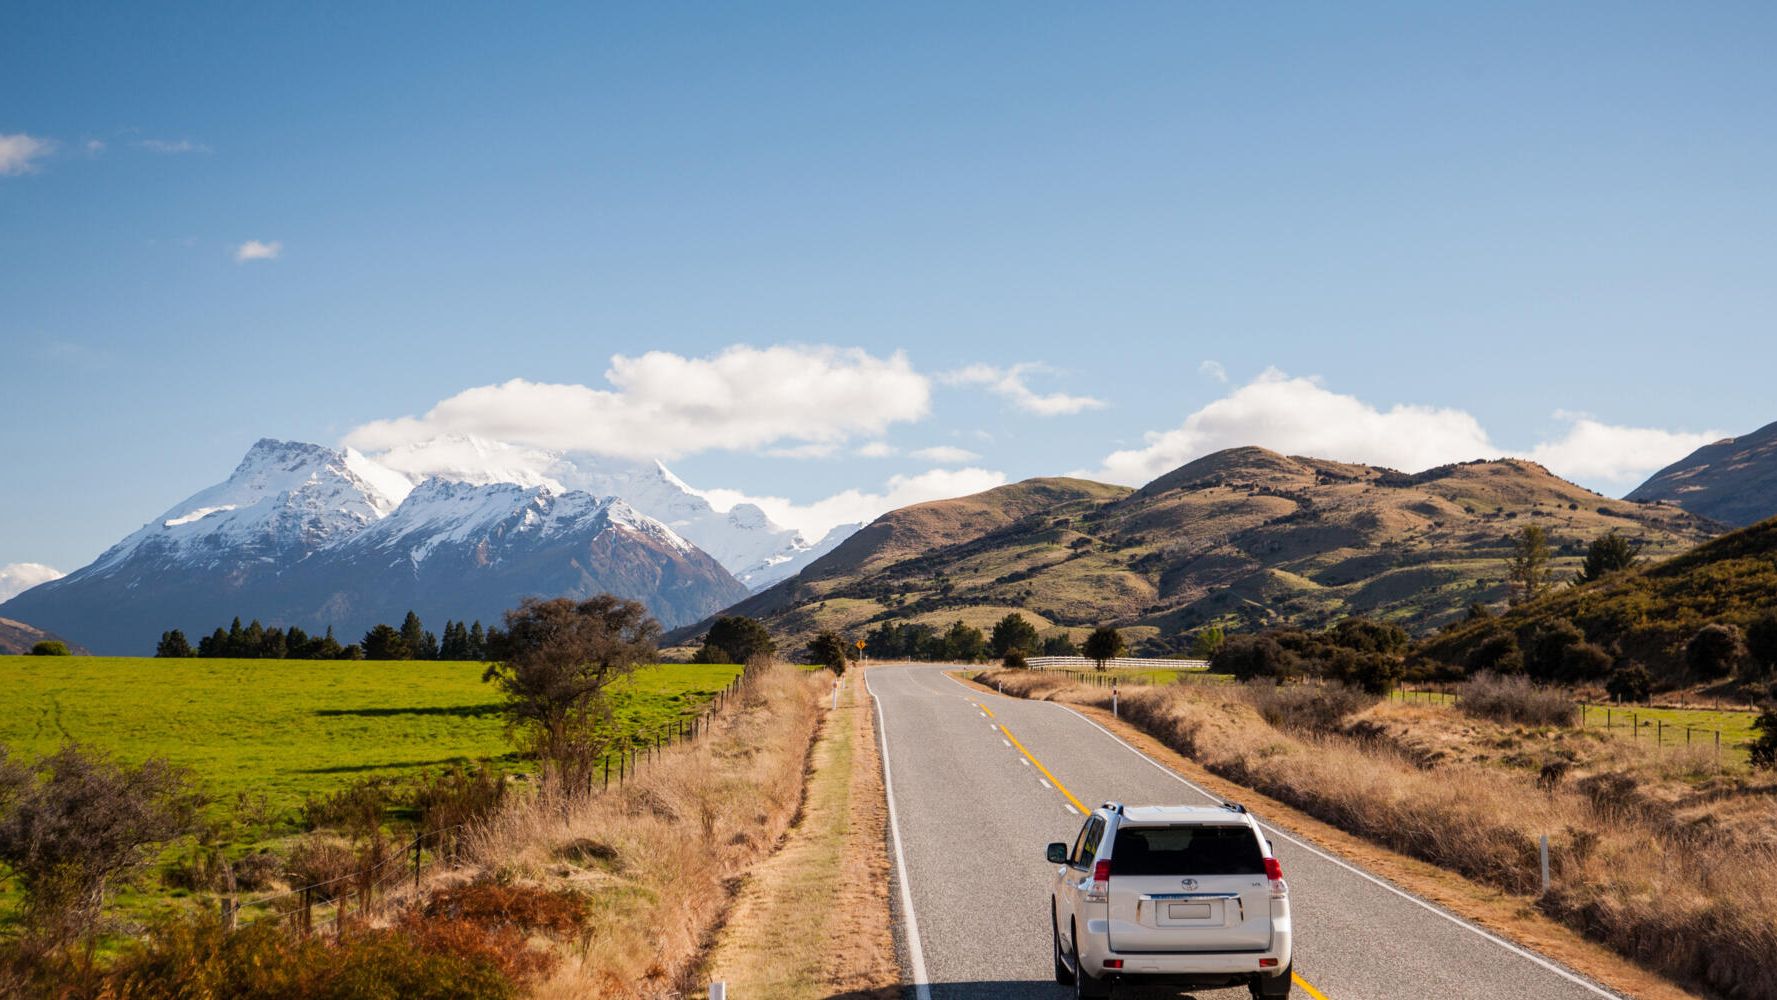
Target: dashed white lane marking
[
  {"x": 1026, "y": 763},
  {"x": 1046, "y": 784},
  {"x": 1070, "y": 808},
  {"x": 1008, "y": 743}
]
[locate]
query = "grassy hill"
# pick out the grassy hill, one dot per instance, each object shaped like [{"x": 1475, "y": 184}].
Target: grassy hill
[
  {"x": 1245, "y": 536},
  {"x": 1650, "y": 611}
]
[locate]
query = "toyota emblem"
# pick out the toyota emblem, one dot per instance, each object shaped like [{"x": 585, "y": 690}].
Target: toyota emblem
[{"x": 1189, "y": 883}]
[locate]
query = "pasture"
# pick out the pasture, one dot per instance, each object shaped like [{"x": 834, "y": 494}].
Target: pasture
[{"x": 287, "y": 729}]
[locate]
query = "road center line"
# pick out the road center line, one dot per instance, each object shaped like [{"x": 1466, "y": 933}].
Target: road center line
[
  {"x": 922, "y": 989},
  {"x": 1039, "y": 765}
]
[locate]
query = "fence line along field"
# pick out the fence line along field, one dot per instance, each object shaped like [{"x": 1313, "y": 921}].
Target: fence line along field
[{"x": 287, "y": 729}]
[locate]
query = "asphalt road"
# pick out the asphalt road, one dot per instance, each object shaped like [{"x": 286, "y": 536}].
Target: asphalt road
[{"x": 971, "y": 813}]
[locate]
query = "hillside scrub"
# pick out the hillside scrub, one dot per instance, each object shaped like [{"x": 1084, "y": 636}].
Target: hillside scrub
[
  {"x": 656, "y": 858},
  {"x": 1651, "y": 612},
  {"x": 1682, "y": 891}
]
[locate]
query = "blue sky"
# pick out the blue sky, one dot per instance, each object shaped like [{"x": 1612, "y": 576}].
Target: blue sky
[{"x": 1549, "y": 226}]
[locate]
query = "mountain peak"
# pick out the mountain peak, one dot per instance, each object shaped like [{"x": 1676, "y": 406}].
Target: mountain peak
[{"x": 1249, "y": 461}]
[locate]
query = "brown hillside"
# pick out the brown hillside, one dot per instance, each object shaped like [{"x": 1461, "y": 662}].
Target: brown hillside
[
  {"x": 1733, "y": 480},
  {"x": 17, "y": 638},
  {"x": 1245, "y": 536}
]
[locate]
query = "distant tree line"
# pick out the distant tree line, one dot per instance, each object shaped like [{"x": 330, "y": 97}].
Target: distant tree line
[{"x": 254, "y": 641}]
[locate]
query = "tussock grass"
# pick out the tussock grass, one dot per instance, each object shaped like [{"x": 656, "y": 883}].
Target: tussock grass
[
  {"x": 1693, "y": 900},
  {"x": 1516, "y": 699},
  {"x": 658, "y": 859}
]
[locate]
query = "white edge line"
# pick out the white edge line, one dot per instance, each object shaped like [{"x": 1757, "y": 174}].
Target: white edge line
[
  {"x": 915, "y": 956},
  {"x": 1359, "y": 872}
]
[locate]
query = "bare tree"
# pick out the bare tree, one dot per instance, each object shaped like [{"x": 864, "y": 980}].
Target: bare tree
[
  {"x": 560, "y": 656},
  {"x": 1528, "y": 568}
]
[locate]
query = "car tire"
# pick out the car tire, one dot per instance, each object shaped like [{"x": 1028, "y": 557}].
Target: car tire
[
  {"x": 1085, "y": 984},
  {"x": 1274, "y": 987},
  {"x": 1063, "y": 974}
]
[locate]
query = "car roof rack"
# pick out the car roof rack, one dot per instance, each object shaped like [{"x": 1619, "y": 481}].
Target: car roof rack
[{"x": 1232, "y": 806}]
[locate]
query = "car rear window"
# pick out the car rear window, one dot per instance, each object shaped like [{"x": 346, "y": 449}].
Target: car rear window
[{"x": 1187, "y": 850}]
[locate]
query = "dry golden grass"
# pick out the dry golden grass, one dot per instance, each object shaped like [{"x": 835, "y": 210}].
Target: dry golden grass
[
  {"x": 829, "y": 883},
  {"x": 659, "y": 859},
  {"x": 1693, "y": 899}
]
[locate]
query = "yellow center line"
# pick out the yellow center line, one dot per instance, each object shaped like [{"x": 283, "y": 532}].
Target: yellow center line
[
  {"x": 1306, "y": 986},
  {"x": 984, "y": 708},
  {"x": 1057, "y": 781}
]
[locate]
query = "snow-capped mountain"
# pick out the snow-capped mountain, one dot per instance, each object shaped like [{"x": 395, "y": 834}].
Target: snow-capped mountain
[
  {"x": 301, "y": 534},
  {"x": 742, "y": 538}
]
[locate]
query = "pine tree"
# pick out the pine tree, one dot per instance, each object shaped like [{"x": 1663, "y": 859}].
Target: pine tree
[
  {"x": 384, "y": 643},
  {"x": 173, "y": 644},
  {"x": 413, "y": 636},
  {"x": 329, "y": 647},
  {"x": 297, "y": 644},
  {"x": 477, "y": 642},
  {"x": 1528, "y": 568},
  {"x": 234, "y": 639},
  {"x": 428, "y": 648}
]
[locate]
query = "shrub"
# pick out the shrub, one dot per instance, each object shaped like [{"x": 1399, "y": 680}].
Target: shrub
[
  {"x": 1498, "y": 654},
  {"x": 1547, "y": 653},
  {"x": 76, "y": 823},
  {"x": 1249, "y": 657},
  {"x": 454, "y": 799},
  {"x": 1312, "y": 707},
  {"x": 1015, "y": 660},
  {"x": 1630, "y": 682},
  {"x": 522, "y": 908},
  {"x": 326, "y": 862},
  {"x": 1761, "y": 646},
  {"x": 1763, "y": 750},
  {"x": 1516, "y": 700},
  {"x": 357, "y": 809},
  {"x": 1714, "y": 651},
  {"x": 50, "y": 647},
  {"x": 1585, "y": 661},
  {"x": 421, "y": 960}
]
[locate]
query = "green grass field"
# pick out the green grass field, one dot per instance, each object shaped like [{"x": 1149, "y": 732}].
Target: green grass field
[
  {"x": 1668, "y": 725},
  {"x": 286, "y": 729}
]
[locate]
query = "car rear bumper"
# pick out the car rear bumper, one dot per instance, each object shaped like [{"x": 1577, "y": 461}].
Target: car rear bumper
[{"x": 1191, "y": 968}]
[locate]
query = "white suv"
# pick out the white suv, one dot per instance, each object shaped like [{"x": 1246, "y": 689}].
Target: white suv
[{"x": 1178, "y": 895}]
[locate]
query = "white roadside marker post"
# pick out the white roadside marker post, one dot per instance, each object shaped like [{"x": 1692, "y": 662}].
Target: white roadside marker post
[
  {"x": 1114, "y": 714},
  {"x": 718, "y": 991},
  {"x": 1545, "y": 858}
]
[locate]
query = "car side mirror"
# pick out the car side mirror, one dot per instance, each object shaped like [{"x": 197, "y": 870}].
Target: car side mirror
[{"x": 1057, "y": 854}]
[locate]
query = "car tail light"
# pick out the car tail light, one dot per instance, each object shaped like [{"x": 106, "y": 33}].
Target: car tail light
[
  {"x": 1267, "y": 963},
  {"x": 1113, "y": 963},
  {"x": 1274, "y": 872},
  {"x": 1101, "y": 882}
]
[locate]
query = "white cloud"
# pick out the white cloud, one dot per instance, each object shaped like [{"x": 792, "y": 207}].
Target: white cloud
[
  {"x": 1009, "y": 382},
  {"x": 853, "y": 506},
  {"x": 258, "y": 250},
  {"x": 816, "y": 449},
  {"x": 1600, "y": 452},
  {"x": 1299, "y": 416},
  {"x": 17, "y": 578},
  {"x": 876, "y": 449},
  {"x": 95, "y": 146},
  {"x": 1214, "y": 370},
  {"x": 19, "y": 152},
  {"x": 171, "y": 146},
  {"x": 945, "y": 454},
  {"x": 663, "y": 405}
]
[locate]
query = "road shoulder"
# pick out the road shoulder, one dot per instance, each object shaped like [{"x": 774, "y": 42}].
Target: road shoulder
[
  {"x": 1511, "y": 917},
  {"x": 813, "y": 920}
]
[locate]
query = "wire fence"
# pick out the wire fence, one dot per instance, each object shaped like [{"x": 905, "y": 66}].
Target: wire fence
[
  {"x": 1641, "y": 723},
  {"x": 391, "y": 877}
]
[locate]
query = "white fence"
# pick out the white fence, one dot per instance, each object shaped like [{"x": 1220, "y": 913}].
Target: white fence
[{"x": 1120, "y": 663}]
